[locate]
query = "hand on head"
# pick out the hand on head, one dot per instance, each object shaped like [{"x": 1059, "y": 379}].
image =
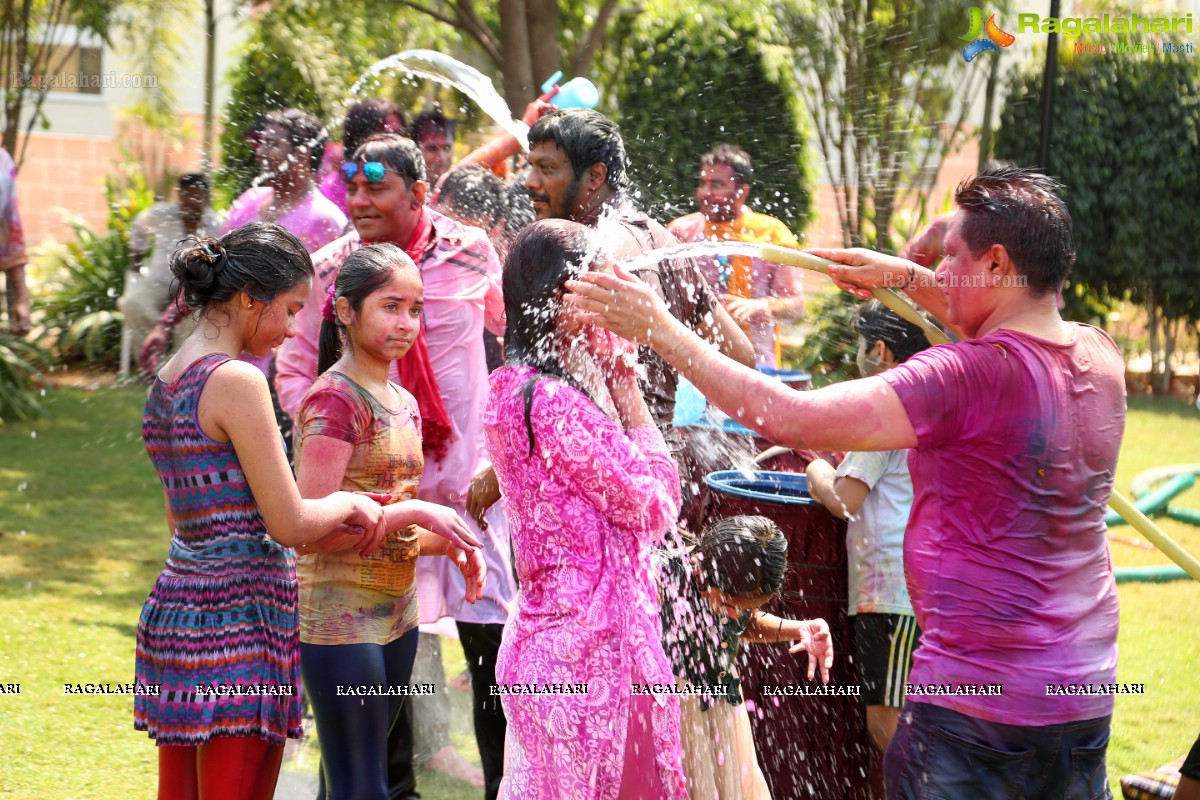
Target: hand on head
[
  {"x": 618, "y": 302},
  {"x": 535, "y": 111}
]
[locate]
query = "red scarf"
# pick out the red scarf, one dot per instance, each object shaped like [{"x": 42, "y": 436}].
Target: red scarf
[{"x": 416, "y": 370}]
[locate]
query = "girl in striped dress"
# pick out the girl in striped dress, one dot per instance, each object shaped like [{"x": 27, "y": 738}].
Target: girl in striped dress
[{"x": 218, "y": 639}]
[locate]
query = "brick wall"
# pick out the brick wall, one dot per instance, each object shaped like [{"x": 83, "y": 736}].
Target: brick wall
[
  {"x": 68, "y": 172},
  {"x": 824, "y": 230}
]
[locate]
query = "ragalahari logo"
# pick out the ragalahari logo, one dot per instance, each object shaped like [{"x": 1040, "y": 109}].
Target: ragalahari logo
[{"x": 978, "y": 43}]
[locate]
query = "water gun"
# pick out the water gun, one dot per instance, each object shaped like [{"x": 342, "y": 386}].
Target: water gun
[{"x": 575, "y": 93}]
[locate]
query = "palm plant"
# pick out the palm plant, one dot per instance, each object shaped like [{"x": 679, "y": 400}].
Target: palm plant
[
  {"x": 20, "y": 376},
  {"x": 81, "y": 319}
]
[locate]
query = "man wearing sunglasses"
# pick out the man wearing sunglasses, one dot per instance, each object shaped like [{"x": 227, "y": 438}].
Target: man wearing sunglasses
[{"x": 385, "y": 194}]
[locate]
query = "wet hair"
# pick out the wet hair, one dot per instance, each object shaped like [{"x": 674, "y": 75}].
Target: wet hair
[
  {"x": 394, "y": 151},
  {"x": 743, "y": 556},
  {"x": 364, "y": 271},
  {"x": 733, "y": 157},
  {"x": 1020, "y": 209},
  {"x": 518, "y": 210},
  {"x": 305, "y": 132},
  {"x": 430, "y": 120},
  {"x": 261, "y": 259},
  {"x": 875, "y": 322},
  {"x": 473, "y": 192},
  {"x": 366, "y": 118},
  {"x": 193, "y": 180},
  {"x": 540, "y": 261},
  {"x": 587, "y": 137}
]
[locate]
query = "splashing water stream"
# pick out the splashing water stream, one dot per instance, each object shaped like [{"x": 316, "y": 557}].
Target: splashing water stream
[
  {"x": 447, "y": 71},
  {"x": 795, "y": 258},
  {"x": 788, "y": 257}
]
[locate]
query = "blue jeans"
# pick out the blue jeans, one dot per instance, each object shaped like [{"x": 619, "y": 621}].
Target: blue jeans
[{"x": 939, "y": 754}]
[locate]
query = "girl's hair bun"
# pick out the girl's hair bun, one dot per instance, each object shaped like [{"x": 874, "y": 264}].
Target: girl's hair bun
[
  {"x": 260, "y": 259},
  {"x": 197, "y": 268}
]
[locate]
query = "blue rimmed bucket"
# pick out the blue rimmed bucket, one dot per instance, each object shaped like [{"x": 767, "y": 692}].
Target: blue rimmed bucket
[{"x": 818, "y": 744}]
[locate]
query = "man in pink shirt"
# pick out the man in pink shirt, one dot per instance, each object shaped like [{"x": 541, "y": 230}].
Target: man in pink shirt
[
  {"x": 289, "y": 145},
  {"x": 461, "y": 275},
  {"x": 1014, "y": 434}
]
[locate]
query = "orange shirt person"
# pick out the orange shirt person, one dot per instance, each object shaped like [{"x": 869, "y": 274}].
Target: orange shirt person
[{"x": 758, "y": 294}]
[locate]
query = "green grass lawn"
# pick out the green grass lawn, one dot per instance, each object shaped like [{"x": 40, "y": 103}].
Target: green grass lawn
[{"x": 82, "y": 538}]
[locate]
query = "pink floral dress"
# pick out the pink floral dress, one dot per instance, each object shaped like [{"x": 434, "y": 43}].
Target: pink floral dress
[{"x": 585, "y": 510}]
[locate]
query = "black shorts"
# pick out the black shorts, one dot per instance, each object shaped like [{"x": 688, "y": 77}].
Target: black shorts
[{"x": 883, "y": 648}]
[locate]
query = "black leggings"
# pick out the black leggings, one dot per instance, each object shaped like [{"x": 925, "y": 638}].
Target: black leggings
[{"x": 353, "y": 729}]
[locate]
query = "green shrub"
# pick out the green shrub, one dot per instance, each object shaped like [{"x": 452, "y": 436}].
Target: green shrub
[
  {"x": 262, "y": 81},
  {"x": 81, "y": 319},
  {"x": 830, "y": 349},
  {"x": 697, "y": 77},
  {"x": 21, "y": 363}
]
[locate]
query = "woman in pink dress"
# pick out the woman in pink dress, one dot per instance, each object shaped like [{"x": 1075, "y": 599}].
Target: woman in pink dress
[{"x": 590, "y": 490}]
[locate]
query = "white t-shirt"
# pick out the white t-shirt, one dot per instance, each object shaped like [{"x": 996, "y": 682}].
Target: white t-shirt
[
  {"x": 158, "y": 232},
  {"x": 875, "y": 538}
]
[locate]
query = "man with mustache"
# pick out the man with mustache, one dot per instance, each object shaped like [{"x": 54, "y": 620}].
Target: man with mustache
[
  {"x": 759, "y": 294},
  {"x": 577, "y": 171}
]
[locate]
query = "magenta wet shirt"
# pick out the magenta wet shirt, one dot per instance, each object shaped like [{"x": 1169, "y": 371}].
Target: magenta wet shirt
[{"x": 1006, "y": 555}]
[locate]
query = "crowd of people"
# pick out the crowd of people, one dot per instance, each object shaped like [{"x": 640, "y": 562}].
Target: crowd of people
[{"x": 476, "y": 400}]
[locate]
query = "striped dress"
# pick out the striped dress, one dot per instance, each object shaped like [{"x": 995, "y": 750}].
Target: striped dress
[{"x": 219, "y": 634}]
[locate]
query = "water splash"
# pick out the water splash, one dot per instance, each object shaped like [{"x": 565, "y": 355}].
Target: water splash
[
  {"x": 788, "y": 257},
  {"x": 443, "y": 69},
  {"x": 692, "y": 250}
]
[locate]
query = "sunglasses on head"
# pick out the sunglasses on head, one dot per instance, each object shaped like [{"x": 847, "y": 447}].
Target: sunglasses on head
[{"x": 372, "y": 170}]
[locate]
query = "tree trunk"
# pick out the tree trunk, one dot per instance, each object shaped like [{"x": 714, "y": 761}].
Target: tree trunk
[
  {"x": 518, "y": 64},
  {"x": 1153, "y": 323},
  {"x": 985, "y": 136},
  {"x": 544, "y": 55},
  {"x": 210, "y": 82},
  {"x": 1163, "y": 379}
]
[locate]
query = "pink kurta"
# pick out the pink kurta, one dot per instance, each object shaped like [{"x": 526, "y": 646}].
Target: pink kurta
[{"x": 584, "y": 511}]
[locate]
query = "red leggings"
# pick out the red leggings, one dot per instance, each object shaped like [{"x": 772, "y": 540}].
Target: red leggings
[{"x": 227, "y": 768}]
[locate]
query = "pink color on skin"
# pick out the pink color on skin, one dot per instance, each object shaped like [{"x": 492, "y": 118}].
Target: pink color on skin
[
  {"x": 315, "y": 221},
  {"x": 333, "y": 186}
]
